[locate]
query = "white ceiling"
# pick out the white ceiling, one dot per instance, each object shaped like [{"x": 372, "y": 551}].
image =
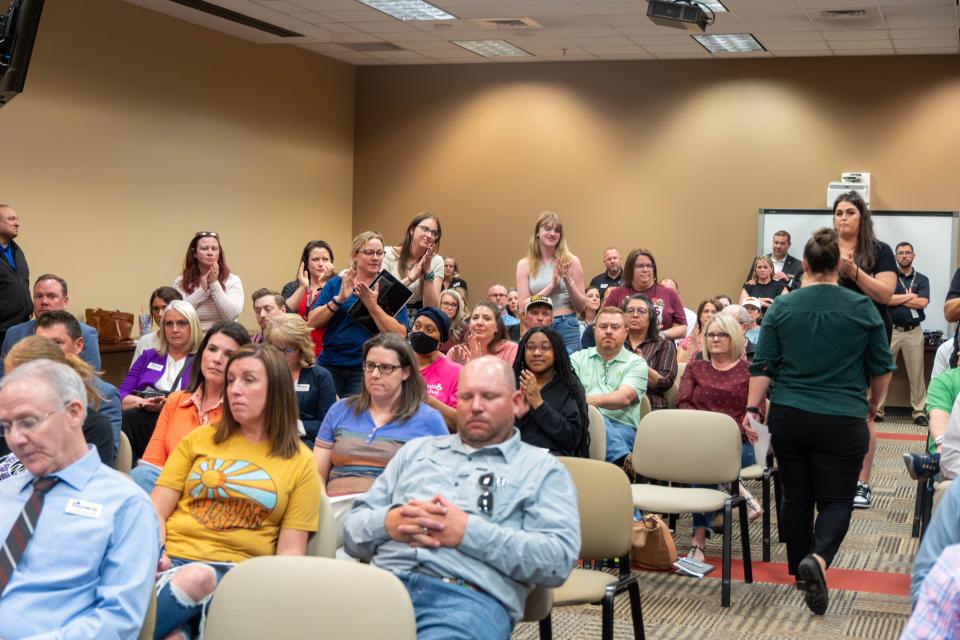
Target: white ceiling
[{"x": 589, "y": 29}]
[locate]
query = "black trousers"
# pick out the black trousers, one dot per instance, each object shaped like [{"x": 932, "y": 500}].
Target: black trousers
[
  {"x": 138, "y": 425},
  {"x": 820, "y": 457}
]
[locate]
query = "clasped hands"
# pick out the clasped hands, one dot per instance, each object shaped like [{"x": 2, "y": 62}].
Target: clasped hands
[{"x": 432, "y": 523}]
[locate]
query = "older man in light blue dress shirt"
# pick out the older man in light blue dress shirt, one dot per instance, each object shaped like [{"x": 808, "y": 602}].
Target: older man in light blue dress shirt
[
  {"x": 470, "y": 522},
  {"x": 87, "y": 569}
]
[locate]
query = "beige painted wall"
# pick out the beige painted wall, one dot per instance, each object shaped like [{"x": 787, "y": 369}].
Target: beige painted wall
[
  {"x": 137, "y": 129},
  {"x": 674, "y": 156}
]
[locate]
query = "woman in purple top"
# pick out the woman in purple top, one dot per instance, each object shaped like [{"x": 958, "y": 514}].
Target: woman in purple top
[
  {"x": 719, "y": 382},
  {"x": 157, "y": 372}
]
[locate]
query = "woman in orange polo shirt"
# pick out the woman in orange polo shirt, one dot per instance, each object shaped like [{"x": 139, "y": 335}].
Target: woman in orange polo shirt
[{"x": 198, "y": 404}]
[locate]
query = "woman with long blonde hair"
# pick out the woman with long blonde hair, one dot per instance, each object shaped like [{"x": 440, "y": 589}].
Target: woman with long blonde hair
[{"x": 551, "y": 270}]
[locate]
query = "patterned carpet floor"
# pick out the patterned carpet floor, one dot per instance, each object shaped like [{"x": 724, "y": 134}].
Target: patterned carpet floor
[{"x": 877, "y": 556}]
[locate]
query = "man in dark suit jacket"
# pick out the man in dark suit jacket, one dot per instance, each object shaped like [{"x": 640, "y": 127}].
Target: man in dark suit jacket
[
  {"x": 785, "y": 266},
  {"x": 15, "y": 299}
]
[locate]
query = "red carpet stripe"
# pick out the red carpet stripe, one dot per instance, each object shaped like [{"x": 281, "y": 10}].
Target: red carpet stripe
[
  {"x": 901, "y": 436},
  {"x": 891, "y": 584}
]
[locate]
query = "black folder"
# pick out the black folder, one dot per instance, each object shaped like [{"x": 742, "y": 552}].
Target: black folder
[{"x": 392, "y": 297}]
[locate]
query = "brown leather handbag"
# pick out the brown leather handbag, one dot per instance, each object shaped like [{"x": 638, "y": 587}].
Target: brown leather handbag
[
  {"x": 112, "y": 326},
  {"x": 653, "y": 546}
]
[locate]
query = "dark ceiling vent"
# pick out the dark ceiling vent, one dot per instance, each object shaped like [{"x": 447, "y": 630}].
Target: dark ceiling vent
[
  {"x": 844, "y": 14},
  {"x": 508, "y": 23},
  {"x": 239, "y": 18},
  {"x": 371, "y": 47}
]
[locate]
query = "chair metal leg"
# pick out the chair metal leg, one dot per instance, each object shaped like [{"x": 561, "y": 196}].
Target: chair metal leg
[
  {"x": 636, "y": 612},
  {"x": 778, "y": 499},
  {"x": 927, "y": 506},
  {"x": 607, "y": 629},
  {"x": 745, "y": 542},
  {"x": 918, "y": 509},
  {"x": 672, "y": 521},
  {"x": 766, "y": 515},
  {"x": 546, "y": 628},
  {"x": 727, "y": 552}
]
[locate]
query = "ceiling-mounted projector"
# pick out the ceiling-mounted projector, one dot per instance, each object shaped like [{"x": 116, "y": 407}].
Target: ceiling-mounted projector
[{"x": 679, "y": 15}]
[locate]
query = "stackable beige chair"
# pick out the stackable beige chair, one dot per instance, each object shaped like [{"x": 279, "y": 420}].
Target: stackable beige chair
[
  {"x": 150, "y": 620},
  {"x": 598, "y": 434},
  {"x": 124, "y": 460},
  {"x": 606, "y": 530},
  {"x": 644, "y": 406},
  {"x": 671, "y": 393},
  {"x": 693, "y": 447},
  {"x": 323, "y": 543},
  {"x": 766, "y": 473},
  {"x": 264, "y": 598}
]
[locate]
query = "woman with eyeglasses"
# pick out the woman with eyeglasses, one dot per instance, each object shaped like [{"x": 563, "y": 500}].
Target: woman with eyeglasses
[
  {"x": 159, "y": 299},
  {"x": 719, "y": 383},
  {"x": 554, "y": 414},
  {"x": 551, "y": 270},
  {"x": 207, "y": 283},
  {"x": 360, "y": 434},
  {"x": 453, "y": 305},
  {"x": 829, "y": 353},
  {"x": 343, "y": 340},
  {"x": 644, "y": 339},
  {"x": 689, "y": 346},
  {"x": 431, "y": 328},
  {"x": 198, "y": 404},
  {"x": 488, "y": 336},
  {"x": 315, "y": 269},
  {"x": 290, "y": 334},
  {"x": 640, "y": 276},
  {"x": 242, "y": 488},
  {"x": 416, "y": 263}
]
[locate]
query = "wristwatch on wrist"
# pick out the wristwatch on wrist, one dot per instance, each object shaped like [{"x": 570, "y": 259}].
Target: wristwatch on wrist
[
  {"x": 938, "y": 441},
  {"x": 429, "y": 276},
  {"x": 753, "y": 410}
]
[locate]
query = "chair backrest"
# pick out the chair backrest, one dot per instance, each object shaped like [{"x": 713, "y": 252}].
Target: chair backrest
[
  {"x": 605, "y": 502},
  {"x": 671, "y": 393},
  {"x": 264, "y": 598},
  {"x": 683, "y": 445},
  {"x": 644, "y": 406},
  {"x": 323, "y": 543},
  {"x": 150, "y": 620},
  {"x": 539, "y": 604},
  {"x": 124, "y": 460},
  {"x": 598, "y": 434}
]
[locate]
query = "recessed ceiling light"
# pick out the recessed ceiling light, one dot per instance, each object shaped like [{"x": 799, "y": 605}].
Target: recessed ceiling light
[
  {"x": 409, "y": 9},
  {"x": 491, "y": 48},
  {"x": 713, "y": 5},
  {"x": 729, "y": 43}
]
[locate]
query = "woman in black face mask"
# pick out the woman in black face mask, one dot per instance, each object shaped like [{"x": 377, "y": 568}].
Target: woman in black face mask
[{"x": 431, "y": 328}]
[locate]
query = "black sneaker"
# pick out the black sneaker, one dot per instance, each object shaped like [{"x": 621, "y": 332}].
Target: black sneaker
[
  {"x": 878, "y": 418},
  {"x": 813, "y": 583},
  {"x": 921, "y": 421},
  {"x": 862, "y": 499},
  {"x": 921, "y": 466}
]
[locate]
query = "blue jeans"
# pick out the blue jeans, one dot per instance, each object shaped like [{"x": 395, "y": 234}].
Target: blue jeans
[
  {"x": 568, "y": 326},
  {"x": 450, "y": 612},
  {"x": 346, "y": 380},
  {"x": 620, "y": 439},
  {"x": 703, "y": 520},
  {"x": 175, "y": 610}
]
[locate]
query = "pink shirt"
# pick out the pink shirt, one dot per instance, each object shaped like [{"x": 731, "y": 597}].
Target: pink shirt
[{"x": 441, "y": 378}]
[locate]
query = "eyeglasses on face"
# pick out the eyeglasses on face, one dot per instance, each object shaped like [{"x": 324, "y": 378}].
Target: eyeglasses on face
[
  {"x": 637, "y": 311},
  {"x": 718, "y": 335},
  {"x": 643, "y": 266},
  {"x": 546, "y": 347},
  {"x": 433, "y": 233},
  {"x": 27, "y": 424},
  {"x": 448, "y": 305},
  {"x": 372, "y": 253},
  {"x": 904, "y": 253},
  {"x": 486, "y": 482},
  {"x": 384, "y": 369}
]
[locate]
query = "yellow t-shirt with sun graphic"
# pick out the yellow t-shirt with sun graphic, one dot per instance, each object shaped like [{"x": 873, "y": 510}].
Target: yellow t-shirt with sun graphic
[{"x": 235, "y": 497}]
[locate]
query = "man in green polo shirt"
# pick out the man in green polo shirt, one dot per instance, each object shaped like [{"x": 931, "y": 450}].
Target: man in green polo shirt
[{"x": 614, "y": 380}]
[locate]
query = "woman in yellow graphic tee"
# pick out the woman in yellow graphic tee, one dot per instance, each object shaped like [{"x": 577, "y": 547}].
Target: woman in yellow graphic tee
[{"x": 242, "y": 488}]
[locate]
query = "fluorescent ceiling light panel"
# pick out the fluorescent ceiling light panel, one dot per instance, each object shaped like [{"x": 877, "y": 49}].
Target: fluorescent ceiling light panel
[
  {"x": 409, "y": 9},
  {"x": 716, "y": 7},
  {"x": 729, "y": 43},
  {"x": 491, "y": 48}
]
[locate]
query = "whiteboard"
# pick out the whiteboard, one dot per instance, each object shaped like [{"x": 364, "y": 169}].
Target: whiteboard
[{"x": 933, "y": 235}]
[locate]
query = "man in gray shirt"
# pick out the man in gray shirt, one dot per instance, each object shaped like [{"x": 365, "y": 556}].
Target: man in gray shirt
[{"x": 470, "y": 522}]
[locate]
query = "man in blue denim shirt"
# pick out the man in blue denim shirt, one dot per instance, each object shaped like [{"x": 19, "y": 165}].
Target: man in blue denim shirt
[{"x": 470, "y": 522}]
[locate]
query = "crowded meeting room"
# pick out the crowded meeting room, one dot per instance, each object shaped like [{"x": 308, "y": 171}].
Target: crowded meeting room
[{"x": 479, "y": 319}]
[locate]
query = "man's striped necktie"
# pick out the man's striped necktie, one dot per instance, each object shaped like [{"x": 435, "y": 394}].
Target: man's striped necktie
[{"x": 19, "y": 537}]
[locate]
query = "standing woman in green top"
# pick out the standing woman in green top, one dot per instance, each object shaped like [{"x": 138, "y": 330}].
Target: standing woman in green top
[{"x": 824, "y": 346}]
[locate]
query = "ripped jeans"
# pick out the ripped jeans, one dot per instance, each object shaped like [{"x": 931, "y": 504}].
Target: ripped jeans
[{"x": 175, "y": 609}]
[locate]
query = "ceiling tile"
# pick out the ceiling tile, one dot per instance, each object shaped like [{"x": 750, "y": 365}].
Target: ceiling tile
[
  {"x": 847, "y": 45},
  {"x": 930, "y": 43},
  {"x": 865, "y": 34},
  {"x": 797, "y": 46}
]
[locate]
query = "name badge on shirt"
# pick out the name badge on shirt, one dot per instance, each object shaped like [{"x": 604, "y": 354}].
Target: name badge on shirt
[
  {"x": 155, "y": 366},
  {"x": 914, "y": 314},
  {"x": 84, "y": 508},
  {"x": 303, "y": 387}
]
